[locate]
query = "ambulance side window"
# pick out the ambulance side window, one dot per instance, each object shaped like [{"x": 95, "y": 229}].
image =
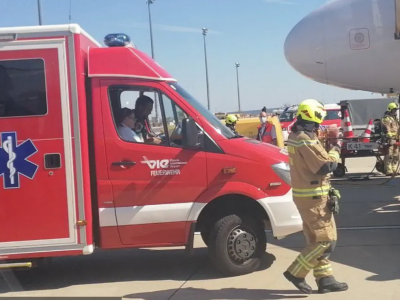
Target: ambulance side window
[
  {"x": 22, "y": 88},
  {"x": 173, "y": 119}
]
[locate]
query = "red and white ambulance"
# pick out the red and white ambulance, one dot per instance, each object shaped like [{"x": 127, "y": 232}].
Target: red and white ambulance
[
  {"x": 71, "y": 184},
  {"x": 288, "y": 118}
]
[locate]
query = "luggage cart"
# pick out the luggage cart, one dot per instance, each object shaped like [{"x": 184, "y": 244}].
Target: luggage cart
[{"x": 356, "y": 148}]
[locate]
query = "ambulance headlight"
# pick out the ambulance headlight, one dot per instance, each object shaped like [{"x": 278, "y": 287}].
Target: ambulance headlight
[
  {"x": 117, "y": 40},
  {"x": 283, "y": 171}
]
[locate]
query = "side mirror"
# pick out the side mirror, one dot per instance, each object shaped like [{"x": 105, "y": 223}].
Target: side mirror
[{"x": 192, "y": 138}]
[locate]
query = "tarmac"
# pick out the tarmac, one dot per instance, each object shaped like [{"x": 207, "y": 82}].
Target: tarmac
[{"x": 367, "y": 257}]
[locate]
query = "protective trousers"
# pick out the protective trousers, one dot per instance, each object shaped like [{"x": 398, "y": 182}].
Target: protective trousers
[
  {"x": 319, "y": 228},
  {"x": 392, "y": 159}
]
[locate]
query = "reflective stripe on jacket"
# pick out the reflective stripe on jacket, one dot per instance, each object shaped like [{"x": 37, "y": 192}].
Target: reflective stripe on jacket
[{"x": 307, "y": 156}]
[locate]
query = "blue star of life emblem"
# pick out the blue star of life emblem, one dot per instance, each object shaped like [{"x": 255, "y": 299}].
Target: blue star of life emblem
[{"x": 14, "y": 160}]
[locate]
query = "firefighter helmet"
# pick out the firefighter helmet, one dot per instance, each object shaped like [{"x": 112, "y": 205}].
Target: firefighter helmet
[
  {"x": 392, "y": 106},
  {"x": 311, "y": 110},
  {"x": 231, "y": 119}
]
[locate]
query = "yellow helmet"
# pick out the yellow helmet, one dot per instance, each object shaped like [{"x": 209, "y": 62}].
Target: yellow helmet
[
  {"x": 392, "y": 106},
  {"x": 311, "y": 110},
  {"x": 231, "y": 119}
]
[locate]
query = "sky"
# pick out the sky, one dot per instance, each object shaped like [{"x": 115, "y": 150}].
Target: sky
[{"x": 250, "y": 32}]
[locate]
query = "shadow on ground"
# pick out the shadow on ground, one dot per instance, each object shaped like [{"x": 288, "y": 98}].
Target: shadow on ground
[
  {"x": 373, "y": 250},
  {"x": 222, "y": 294},
  {"x": 116, "y": 266},
  {"x": 374, "y": 209}
]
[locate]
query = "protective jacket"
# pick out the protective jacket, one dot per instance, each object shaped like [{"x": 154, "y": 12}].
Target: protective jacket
[
  {"x": 310, "y": 165},
  {"x": 391, "y": 125}
]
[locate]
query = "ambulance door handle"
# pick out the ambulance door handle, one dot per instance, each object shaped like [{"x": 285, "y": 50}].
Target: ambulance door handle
[{"x": 123, "y": 163}]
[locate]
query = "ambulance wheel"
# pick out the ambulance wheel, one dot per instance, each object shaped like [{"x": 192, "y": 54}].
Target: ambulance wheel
[
  {"x": 340, "y": 171},
  {"x": 237, "y": 245},
  {"x": 380, "y": 166}
]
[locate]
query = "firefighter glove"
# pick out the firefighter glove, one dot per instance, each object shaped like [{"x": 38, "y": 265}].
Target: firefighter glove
[
  {"x": 336, "y": 147},
  {"x": 333, "y": 201},
  {"x": 334, "y": 192}
]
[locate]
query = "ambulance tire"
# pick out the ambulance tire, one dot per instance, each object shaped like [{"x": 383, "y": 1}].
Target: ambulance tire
[
  {"x": 380, "y": 166},
  {"x": 224, "y": 255},
  {"x": 340, "y": 171}
]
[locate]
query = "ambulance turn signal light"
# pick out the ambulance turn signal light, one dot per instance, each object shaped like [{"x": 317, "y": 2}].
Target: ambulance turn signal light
[
  {"x": 81, "y": 223},
  {"x": 231, "y": 170}
]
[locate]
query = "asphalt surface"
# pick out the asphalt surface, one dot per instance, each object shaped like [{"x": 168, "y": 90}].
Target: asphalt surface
[{"x": 367, "y": 257}]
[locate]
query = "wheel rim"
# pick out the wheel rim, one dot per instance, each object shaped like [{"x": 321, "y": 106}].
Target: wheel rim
[{"x": 241, "y": 244}]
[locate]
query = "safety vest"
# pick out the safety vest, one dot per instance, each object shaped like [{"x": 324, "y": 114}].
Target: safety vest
[{"x": 266, "y": 132}]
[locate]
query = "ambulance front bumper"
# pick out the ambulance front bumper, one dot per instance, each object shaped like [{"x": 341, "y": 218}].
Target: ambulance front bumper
[{"x": 283, "y": 214}]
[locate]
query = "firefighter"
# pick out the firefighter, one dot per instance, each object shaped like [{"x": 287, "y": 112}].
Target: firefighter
[
  {"x": 390, "y": 129},
  {"x": 230, "y": 122},
  {"x": 316, "y": 200},
  {"x": 266, "y": 131}
]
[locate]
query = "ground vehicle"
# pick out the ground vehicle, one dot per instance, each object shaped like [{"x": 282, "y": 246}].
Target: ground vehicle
[
  {"x": 70, "y": 183},
  {"x": 361, "y": 52},
  {"x": 288, "y": 117},
  {"x": 363, "y": 110},
  {"x": 365, "y": 118}
]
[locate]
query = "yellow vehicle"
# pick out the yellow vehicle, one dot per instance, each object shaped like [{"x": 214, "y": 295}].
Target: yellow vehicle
[{"x": 248, "y": 127}]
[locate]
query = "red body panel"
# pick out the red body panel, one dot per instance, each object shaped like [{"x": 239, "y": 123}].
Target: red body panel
[
  {"x": 173, "y": 234},
  {"x": 32, "y": 222},
  {"x": 253, "y": 173},
  {"x": 124, "y": 62},
  {"x": 48, "y": 205}
]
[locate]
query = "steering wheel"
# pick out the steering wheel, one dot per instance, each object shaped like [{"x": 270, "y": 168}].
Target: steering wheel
[{"x": 177, "y": 132}]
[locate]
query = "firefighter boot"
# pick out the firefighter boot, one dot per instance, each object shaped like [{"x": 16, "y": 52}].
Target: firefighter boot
[
  {"x": 329, "y": 284},
  {"x": 300, "y": 283}
]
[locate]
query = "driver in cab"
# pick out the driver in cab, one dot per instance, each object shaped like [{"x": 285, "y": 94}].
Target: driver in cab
[{"x": 143, "y": 108}]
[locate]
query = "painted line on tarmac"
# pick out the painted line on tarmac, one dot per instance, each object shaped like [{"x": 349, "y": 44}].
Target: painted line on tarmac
[
  {"x": 370, "y": 227},
  {"x": 355, "y": 228},
  {"x": 352, "y": 228}
]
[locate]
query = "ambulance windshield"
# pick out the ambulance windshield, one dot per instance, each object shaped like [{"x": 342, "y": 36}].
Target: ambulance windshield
[
  {"x": 211, "y": 118},
  {"x": 287, "y": 116}
]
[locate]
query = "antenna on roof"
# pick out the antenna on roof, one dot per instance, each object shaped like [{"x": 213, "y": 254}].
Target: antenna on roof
[
  {"x": 39, "y": 5},
  {"x": 70, "y": 11}
]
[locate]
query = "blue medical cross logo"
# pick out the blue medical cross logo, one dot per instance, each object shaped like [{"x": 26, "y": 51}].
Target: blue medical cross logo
[{"x": 14, "y": 160}]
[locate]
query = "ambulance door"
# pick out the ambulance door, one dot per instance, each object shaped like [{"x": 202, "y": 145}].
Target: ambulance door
[
  {"x": 36, "y": 176},
  {"x": 154, "y": 184}
]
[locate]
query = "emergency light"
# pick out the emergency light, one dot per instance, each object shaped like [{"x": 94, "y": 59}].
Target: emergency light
[{"x": 117, "y": 40}]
